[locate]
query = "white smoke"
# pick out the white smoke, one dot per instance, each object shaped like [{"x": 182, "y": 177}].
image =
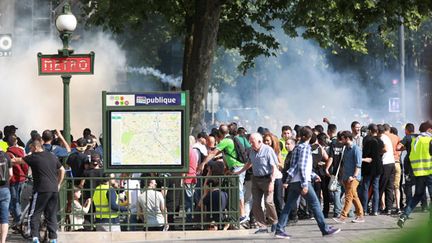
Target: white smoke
[
  {"x": 35, "y": 102},
  {"x": 300, "y": 87},
  {"x": 168, "y": 79}
]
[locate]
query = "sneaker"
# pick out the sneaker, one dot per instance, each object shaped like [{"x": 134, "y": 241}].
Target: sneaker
[
  {"x": 53, "y": 241},
  {"x": 35, "y": 240},
  {"x": 243, "y": 219},
  {"x": 261, "y": 230},
  {"x": 340, "y": 220},
  {"x": 282, "y": 235},
  {"x": 358, "y": 220},
  {"x": 374, "y": 214},
  {"x": 332, "y": 231},
  {"x": 401, "y": 222}
]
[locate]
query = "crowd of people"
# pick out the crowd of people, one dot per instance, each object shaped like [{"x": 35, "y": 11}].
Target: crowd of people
[
  {"x": 307, "y": 173},
  {"x": 366, "y": 170}
]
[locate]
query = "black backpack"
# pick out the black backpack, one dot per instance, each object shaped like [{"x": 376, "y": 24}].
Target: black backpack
[
  {"x": 4, "y": 168},
  {"x": 240, "y": 150}
]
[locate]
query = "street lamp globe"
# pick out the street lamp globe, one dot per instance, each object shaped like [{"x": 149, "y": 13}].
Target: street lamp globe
[
  {"x": 66, "y": 21},
  {"x": 66, "y": 24}
]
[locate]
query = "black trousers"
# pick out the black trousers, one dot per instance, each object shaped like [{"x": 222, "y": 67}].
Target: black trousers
[
  {"x": 278, "y": 196},
  {"x": 387, "y": 185},
  {"x": 44, "y": 202},
  {"x": 325, "y": 180}
]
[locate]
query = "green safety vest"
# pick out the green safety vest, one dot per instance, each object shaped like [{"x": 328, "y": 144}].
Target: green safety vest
[
  {"x": 284, "y": 151},
  {"x": 101, "y": 203},
  {"x": 420, "y": 158}
]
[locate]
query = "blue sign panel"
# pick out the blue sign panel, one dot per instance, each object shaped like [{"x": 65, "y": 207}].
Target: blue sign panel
[
  {"x": 158, "y": 99},
  {"x": 394, "y": 105}
]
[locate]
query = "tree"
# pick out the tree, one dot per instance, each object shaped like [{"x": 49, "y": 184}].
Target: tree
[{"x": 247, "y": 26}]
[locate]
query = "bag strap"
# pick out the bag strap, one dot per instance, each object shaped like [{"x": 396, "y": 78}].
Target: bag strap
[
  {"x": 235, "y": 151},
  {"x": 340, "y": 162}
]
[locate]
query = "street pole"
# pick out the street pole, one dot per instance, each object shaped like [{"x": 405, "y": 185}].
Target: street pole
[
  {"x": 66, "y": 108},
  {"x": 402, "y": 68},
  {"x": 66, "y": 51}
]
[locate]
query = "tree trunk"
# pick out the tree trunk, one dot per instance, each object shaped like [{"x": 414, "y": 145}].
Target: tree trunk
[{"x": 198, "y": 57}]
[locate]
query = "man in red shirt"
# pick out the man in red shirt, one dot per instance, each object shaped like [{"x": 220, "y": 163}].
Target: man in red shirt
[{"x": 17, "y": 180}]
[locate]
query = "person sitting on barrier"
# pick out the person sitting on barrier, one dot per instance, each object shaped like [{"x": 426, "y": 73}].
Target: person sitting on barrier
[
  {"x": 151, "y": 208},
  {"x": 215, "y": 202},
  {"x": 78, "y": 211},
  {"x": 107, "y": 208}
]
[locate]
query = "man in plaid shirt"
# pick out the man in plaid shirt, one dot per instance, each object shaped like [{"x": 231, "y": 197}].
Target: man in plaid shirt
[{"x": 299, "y": 179}]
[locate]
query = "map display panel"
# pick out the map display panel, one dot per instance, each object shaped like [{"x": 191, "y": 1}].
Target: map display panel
[{"x": 146, "y": 138}]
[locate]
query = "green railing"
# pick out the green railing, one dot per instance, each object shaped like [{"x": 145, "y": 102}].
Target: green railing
[{"x": 176, "y": 216}]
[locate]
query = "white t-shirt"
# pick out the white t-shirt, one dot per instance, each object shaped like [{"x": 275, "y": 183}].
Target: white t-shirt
[
  {"x": 388, "y": 157},
  {"x": 149, "y": 205},
  {"x": 133, "y": 189}
]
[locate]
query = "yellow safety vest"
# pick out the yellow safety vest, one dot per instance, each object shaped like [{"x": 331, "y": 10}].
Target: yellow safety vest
[
  {"x": 420, "y": 158},
  {"x": 284, "y": 151},
  {"x": 102, "y": 204}
]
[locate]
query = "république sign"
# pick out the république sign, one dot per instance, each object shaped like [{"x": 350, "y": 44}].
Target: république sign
[{"x": 72, "y": 64}]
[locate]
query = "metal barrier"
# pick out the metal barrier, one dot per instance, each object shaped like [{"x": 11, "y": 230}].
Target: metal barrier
[{"x": 215, "y": 205}]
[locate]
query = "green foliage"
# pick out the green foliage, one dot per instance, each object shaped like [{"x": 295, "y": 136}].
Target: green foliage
[{"x": 247, "y": 26}]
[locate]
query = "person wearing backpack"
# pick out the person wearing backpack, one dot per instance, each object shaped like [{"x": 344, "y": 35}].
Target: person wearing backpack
[
  {"x": 233, "y": 162},
  {"x": 59, "y": 151},
  {"x": 5, "y": 174}
]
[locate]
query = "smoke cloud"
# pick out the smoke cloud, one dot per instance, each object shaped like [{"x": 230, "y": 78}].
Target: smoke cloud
[
  {"x": 36, "y": 102},
  {"x": 299, "y": 86}
]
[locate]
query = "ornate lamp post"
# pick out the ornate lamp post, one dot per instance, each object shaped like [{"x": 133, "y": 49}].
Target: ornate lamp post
[
  {"x": 65, "y": 63},
  {"x": 66, "y": 24}
]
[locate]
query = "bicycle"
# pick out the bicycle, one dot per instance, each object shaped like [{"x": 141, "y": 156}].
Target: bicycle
[{"x": 24, "y": 223}]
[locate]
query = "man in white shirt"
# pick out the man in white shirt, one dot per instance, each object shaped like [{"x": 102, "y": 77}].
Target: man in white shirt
[
  {"x": 151, "y": 208},
  {"x": 387, "y": 178}
]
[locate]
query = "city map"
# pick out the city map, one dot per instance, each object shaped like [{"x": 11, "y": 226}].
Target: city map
[{"x": 146, "y": 138}]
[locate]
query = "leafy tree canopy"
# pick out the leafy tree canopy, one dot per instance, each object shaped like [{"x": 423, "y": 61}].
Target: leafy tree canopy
[{"x": 247, "y": 25}]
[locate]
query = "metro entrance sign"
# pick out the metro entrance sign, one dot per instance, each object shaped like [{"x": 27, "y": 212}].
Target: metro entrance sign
[{"x": 72, "y": 64}]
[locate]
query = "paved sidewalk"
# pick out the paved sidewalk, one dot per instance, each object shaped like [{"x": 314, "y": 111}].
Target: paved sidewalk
[{"x": 376, "y": 228}]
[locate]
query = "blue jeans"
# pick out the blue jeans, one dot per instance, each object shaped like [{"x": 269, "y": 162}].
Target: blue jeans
[
  {"x": 15, "y": 205},
  {"x": 294, "y": 192},
  {"x": 133, "y": 220},
  {"x": 421, "y": 182},
  {"x": 189, "y": 200},
  {"x": 366, "y": 182},
  {"x": 241, "y": 181},
  {"x": 337, "y": 200},
  {"x": 4, "y": 205}
]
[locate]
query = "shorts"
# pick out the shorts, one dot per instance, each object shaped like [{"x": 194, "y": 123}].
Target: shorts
[
  {"x": 397, "y": 176},
  {"x": 5, "y": 199},
  {"x": 241, "y": 181}
]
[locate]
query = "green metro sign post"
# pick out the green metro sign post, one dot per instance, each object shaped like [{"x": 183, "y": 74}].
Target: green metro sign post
[{"x": 65, "y": 63}]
